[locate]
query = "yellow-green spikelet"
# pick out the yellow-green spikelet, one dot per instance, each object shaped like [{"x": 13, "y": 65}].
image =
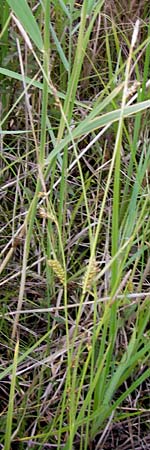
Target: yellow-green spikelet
[
  {"x": 58, "y": 270},
  {"x": 88, "y": 280}
]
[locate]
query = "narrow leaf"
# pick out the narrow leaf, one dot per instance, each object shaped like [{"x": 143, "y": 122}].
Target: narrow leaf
[
  {"x": 11, "y": 401},
  {"x": 27, "y": 20},
  {"x": 59, "y": 49},
  {"x": 88, "y": 125}
]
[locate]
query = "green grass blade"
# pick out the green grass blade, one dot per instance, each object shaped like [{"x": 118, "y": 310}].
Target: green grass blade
[
  {"x": 27, "y": 19},
  {"x": 64, "y": 7},
  {"x": 8, "y": 430},
  {"x": 59, "y": 49},
  {"x": 17, "y": 76},
  {"x": 88, "y": 125}
]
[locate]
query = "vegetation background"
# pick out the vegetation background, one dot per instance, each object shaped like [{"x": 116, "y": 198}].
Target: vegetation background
[{"x": 75, "y": 224}]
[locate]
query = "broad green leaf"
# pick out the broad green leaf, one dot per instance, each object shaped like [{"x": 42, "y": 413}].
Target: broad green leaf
[{"x": 24, "y": 14}]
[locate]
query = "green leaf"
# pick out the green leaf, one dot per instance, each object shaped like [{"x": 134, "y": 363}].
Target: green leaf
[
  {"x": 10, "y": 368},
  {"x": 59, "y": 49},
  {"x": 89, "y": 125},
  {"x": 64, "y": 8},
  {"x": 8, "y": 430},
  {"x": 17, "y": 76},
  {"x": 27, "y": 20}
]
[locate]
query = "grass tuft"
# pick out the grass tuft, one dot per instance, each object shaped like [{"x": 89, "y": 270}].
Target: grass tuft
[{"x": 74, "y": 220}]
